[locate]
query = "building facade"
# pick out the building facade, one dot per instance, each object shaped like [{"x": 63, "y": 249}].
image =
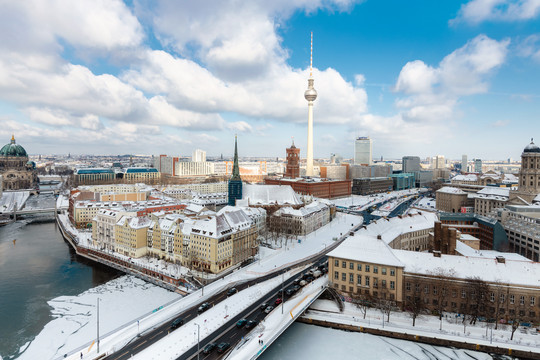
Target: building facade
[
  {"x": 16, "y": 170},
  {"x": 367, "y": 186},
  {"x": 410, "y": 164},
  {"x": 292, "y": 170},
  {"x": 363, "y": 151},
  {"x": 451, "y": 199},
  {"x": 317, "y": 187}
]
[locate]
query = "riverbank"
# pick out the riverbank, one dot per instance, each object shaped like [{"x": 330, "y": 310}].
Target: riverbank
[{"x": 448, "y": 332}]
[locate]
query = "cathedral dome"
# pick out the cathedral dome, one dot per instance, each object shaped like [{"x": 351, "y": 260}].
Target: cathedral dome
[
  {"x": 13, "y": 149},
  {"x": 531, "y": 148}
]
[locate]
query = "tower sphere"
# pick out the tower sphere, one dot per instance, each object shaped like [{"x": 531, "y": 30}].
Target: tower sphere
[{"x": 310, "y": 94}]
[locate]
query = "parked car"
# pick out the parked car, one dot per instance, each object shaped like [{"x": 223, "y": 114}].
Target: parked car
[
  {"x": 296, "y": 288},
  {"x": 317, "y": 274},
  {"x": 264, "y": 306},
  {"x": 222, "y": 347},
  {"x": 241, "y": 323},
  {"x": 278, "y": 301},
  {"x": 204, "y": 306},
  {"x": 251, "y": 324},
  {"x": 208, "y": 348},
  {"x": 297, "y": 281},
  {"x": 269, "y": 309},
  {"x": 289, "y": 292},
  {"x": 177, "y": 323},
  {"x": 232, "y": 291},
  {"x": 303, "y": 283}
]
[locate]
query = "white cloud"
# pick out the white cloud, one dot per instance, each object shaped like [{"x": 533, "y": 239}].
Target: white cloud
[
  {"x": 432, "y": 93},
  {"x": 477, "y": 11},
  {"x": 240, "y": 126},
  {"x": 529, "y": 47}
]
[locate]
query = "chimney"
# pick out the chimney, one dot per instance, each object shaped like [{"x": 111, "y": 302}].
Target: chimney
[
  {"x": 436, "y": 253},
  {"x": 379, "y": 237},
  {"x": 500, "y": 259}
]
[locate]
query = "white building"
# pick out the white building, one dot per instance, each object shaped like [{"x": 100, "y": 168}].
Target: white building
[
  {"x": 301, "y": 221},
  {"x": 438, "y": 162},
  {"x": 198, "y": 156},
  {"x": 363, "y": 151}
]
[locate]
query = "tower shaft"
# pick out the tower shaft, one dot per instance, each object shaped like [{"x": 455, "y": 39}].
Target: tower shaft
[{"x": 309, "y": 164}]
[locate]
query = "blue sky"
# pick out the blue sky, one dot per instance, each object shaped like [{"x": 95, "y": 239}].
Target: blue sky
[{"x": 166, "y": 77}]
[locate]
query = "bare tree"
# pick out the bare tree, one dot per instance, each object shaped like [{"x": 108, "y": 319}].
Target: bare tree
[
  {"x": 501, "y": 293},
  {"x": 362, "y": 301},
  {"x": 477, "y": 295},
  {"x": 414, "y": 304},
  {"x": 441, "y": 289},
  {"x": 515, "y": 323},
  {"x": 384, "y": 303}
]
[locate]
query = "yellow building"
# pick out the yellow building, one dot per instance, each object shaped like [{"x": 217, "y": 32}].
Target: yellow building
[
  {"x": 141, "y": 175},
  {"x": 130, "y": 236}
]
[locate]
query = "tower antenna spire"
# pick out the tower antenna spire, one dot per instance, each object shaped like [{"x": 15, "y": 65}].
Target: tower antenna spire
[{"x": 311, "y": 57}]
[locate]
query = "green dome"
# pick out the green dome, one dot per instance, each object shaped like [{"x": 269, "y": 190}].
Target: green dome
[{"x": 13, "y": 149}]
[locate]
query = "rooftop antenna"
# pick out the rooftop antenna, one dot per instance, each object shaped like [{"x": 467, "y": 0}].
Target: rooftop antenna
[{"x": 311, "y": 57}]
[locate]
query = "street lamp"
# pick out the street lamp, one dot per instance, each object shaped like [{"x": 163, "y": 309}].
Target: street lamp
[
  {"x": 198, "y": 340},
  {"x": 282, "y": 297},
  {"x": 98, "y": 325}
]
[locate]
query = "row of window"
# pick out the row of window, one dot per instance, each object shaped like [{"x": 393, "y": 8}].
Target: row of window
[
  {"x": 367, "y": 280},
  {"x": 367, "y": 267},
  {"x": 492, "y": 296}
]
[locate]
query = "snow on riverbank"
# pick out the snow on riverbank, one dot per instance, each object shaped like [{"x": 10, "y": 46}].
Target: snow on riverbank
[
  {"x": 450, "y": 327},
  {"x": 121, "y": 300},
  {"x": 302, "y": 341}
]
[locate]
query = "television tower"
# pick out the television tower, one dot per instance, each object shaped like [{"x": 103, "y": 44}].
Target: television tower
[{"x": 310, "y": 94}]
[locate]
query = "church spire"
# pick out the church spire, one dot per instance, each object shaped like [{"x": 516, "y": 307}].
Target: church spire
[{"x": 236, "y": 168}]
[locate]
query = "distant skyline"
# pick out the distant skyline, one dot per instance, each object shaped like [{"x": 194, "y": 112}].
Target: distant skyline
[{"x": 144, "y": 77}]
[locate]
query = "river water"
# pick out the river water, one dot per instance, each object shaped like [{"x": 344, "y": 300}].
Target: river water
[{"x": 37, "y": 265}]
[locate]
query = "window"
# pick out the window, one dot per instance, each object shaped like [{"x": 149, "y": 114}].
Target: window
[
  {"x": 359, "y": 279},
  {"x": 492, "y": 297},
  {"x": 359, "y": 267},
  {"x": 417, "y": 287},
  {"x": 392, "y": 285},
  {"x": 435, "y": 290},
  {"x": 375, "y": 283},
  {"x": 383, "y": 284},
  {"x": 408, "y": 286},
  {"x": 344, "y": 264},
  {"x": 502, "y": 298},
  {"x": 532, "y": 300},
  {"x": 336, "y": 263},
  {"x": 426, "y": 289},
  {"x": 463, "y": 294},
  {"x": 512, "y": 299},
  {"x": 392, "y": 272},
  {"x": 336, "y": 275},
  {"x": 367, "y": 268},
  {"x": 367, "y": 281},
  {"x": 351, "y": 278},
  {"x": 383, "y": 271},
  {"x": 375, "y": 270},
  {"x": 522, "y": 300},
  {"x": 343, "y": 277},
  {"x": 351, "y": 266}
]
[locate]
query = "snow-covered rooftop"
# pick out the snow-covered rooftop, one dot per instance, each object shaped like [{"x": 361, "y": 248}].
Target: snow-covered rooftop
[
  {"x": 311, "y": 208},
  {"x": 450, "y": 190},
  {"x": 525, "y": 273},
  {"x": 466, "y": 250},
  {"x": 391, "y": 228},
  {"x": 467, "y": 177},
  {"x": 253, "y": 194},
  {"x": 366, "y": 248}
]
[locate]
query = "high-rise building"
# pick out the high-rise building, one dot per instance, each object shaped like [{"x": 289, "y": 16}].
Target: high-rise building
[
  {"x": 310, "y": 94},
  {"x": 438, "y": 162},
  {"x": 235, "y": 183},
  {"x": 363, "y": 147},
  {"x": 293, "y": 162},
  {"x": 478, "y": 165},
  {"x": 463, "y": 163},
  {"x": 411, "y": 164},
  {"x": 198, "y": 155}
]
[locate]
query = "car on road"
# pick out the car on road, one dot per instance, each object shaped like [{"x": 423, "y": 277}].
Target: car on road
[
  {"x": 208, "y": 348},
  {"x": 264, "y": 306},
  {"x": 177, "y": 323},
  {"x": 222, "y": 347},
  {"x": 251, "y": 324},
  {"x": 278, "y": 301},
  {"x": 297, "y": 281},
  {"x": 241, "y": 323},
  {"x": 269, "y": 309},
  {"x": 204, "y": 306},
  {"x": 232, "y": 291},
  {"x": 289, "y": 292}
]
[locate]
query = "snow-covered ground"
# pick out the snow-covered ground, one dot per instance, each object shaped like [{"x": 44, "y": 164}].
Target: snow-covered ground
[
  {"x": 75, "y": 317},
  {"x": 303, "y": 341},
  {"x": 270, "y": 260},
  {"x": 450, "y": 328},
  {"x": 9, "y": 199},
  {"x": 362, "y": 202},
  {"x": 425, "y": 203}
]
